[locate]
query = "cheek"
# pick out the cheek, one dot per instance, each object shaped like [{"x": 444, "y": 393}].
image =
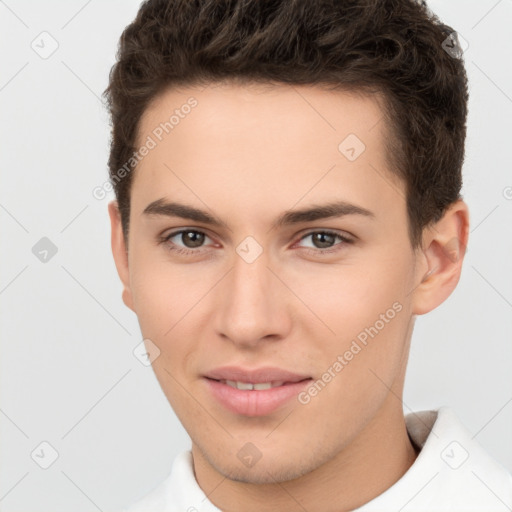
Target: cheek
[
  {"x": 159, "y": 292},
  {"x": 167, "y": 299},
  {"x": 363, "y": 360},
  {"x": 348, "y": 298},
  {"x": 164, "y": 299},
  {"x": 361, "y": 314}
]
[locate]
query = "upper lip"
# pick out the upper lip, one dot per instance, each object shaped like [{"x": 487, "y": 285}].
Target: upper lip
[{"x": 254, "y": 376}]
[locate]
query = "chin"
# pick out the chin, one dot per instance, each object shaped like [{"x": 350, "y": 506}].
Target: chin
[
  {"x": 269, "y": 469},
  {"x": 270, "y": 474}
]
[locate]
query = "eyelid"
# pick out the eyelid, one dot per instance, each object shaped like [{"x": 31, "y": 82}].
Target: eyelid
[
  {"x": 166, "y": 237},
  {"x": 330, "y": 231},
  {"x": 344, "y": 239}
]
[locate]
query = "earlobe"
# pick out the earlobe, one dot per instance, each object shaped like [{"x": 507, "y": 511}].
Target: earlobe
[
  {"x": 444, "y": 247},
  {"x": 120, "y": 253}
]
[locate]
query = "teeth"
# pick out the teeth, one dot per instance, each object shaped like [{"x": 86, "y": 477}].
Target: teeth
[
  {"x": 262, "y": 385},
  {"x": 248, "y": 386},
  {"x": 240, "y": 385}
]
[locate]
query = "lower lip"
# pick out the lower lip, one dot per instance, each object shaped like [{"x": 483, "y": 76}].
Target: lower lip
[{"x": 255, "y": 402}]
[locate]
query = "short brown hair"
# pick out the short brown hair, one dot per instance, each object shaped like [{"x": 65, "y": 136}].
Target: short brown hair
[{"x": 392, "y": 47}]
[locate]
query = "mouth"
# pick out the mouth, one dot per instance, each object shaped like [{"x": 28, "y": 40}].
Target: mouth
[
  {"x": 258, "y": 386},
  {"x": 264, "y": 375},
  {"x": 251, "y": 396}
]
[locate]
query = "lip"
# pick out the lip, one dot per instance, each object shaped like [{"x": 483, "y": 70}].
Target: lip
[
  {"x": 254, "y": 376},
  {"x": 254, "y": 402}
]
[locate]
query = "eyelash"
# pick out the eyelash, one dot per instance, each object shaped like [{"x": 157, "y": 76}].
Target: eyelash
[{"x": 185, "y": 251}]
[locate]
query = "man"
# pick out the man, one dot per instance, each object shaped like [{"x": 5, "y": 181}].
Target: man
[{"x": 287, "y": 179}]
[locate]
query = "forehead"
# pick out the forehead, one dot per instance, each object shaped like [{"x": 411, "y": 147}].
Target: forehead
[
  {"x": 263, "y": 144},
  {"x": 264, "y": 107}
]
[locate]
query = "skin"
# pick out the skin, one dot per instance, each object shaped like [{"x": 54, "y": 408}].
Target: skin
[{"x": 246, "y": 154}]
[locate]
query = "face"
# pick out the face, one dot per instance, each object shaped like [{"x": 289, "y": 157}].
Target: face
[{"x": 321, "y": 298}]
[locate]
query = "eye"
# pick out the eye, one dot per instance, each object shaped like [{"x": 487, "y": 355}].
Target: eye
[
  {"x": 324, "y": 241},
  {"x": 191, "y": 239}
]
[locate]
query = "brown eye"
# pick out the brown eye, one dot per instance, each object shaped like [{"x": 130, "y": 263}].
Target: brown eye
[
  {"x": 192, "y": 238},
  {"x": 185, "y": 241},
  {"x": 322, "y": 241}
]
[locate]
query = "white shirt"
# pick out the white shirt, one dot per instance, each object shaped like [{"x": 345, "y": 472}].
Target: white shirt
[{"x": 451, "y": 473}]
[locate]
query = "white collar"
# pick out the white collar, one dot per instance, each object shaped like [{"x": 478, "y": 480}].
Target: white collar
[{"x": 451, "y": 473}]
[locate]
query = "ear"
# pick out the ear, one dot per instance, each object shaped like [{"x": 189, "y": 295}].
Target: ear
[
  {"x": 120, "y": 252},
  {"x": 443, "y": 248}
]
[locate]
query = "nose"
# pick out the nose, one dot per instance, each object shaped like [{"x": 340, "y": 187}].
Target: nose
[{"x": 252, "y": 304}]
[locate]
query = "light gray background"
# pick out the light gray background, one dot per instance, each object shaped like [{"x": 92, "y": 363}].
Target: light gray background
[{"x": 68, "y": 375}]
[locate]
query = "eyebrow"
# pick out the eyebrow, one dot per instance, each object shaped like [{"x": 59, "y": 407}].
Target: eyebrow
[{"x": 288, "y": 218}]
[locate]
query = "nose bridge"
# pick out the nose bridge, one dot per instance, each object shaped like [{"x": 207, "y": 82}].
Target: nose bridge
[{"x": 251, "y": 304}]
